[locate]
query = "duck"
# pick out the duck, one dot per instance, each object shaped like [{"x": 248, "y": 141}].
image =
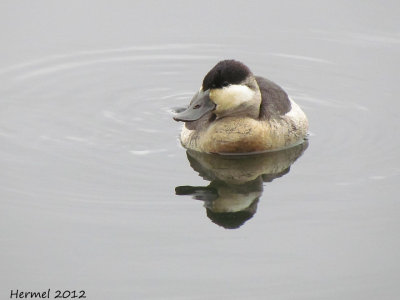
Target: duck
[{"x": 236, "y": 112}]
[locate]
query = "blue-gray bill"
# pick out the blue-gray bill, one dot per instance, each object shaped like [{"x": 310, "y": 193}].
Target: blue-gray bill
[{"x": 198, "y": 107}]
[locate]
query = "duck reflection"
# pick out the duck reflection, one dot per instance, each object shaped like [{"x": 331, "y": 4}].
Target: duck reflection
[{"x": 236, "y": 182}]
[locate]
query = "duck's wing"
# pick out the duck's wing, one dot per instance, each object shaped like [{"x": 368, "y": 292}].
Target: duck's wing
[{"x": 275, "y": 101}]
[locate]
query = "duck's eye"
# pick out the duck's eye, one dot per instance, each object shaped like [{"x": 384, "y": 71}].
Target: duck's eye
[{"x": 225, "y": 83}]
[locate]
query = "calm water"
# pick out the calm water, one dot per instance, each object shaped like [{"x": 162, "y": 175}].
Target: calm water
[{"x": 98, "y": 195}]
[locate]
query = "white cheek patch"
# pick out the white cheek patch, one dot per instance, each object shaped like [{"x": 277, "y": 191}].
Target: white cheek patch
[{"x": 231, "y": 96}]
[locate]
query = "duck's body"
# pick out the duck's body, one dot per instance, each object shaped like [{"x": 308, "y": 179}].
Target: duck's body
[{"x": 236, "y": 112}]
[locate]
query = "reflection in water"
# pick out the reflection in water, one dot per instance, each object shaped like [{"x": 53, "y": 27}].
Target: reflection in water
[{"x": 236, "y": 182}]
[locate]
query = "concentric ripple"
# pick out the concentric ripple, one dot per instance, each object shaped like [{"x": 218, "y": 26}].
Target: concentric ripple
[
  {"x": 103, "y": 115},
  {"x": 82, "y": 119}
]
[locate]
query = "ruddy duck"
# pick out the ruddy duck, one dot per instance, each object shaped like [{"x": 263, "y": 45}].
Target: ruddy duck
[{"x": 237, "y": 112}]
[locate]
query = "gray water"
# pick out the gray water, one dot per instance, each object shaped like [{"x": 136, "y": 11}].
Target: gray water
[{"x": 98, "y": 195}]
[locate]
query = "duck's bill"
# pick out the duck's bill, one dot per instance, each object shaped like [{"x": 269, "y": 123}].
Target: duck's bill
[{"x": 198, "y": 107}]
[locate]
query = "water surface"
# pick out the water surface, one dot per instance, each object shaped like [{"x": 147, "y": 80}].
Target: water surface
[{"x": 97, "y": 194}]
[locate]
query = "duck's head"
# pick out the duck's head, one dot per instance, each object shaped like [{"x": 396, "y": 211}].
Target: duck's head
[{"x": 228, "y": 89}]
